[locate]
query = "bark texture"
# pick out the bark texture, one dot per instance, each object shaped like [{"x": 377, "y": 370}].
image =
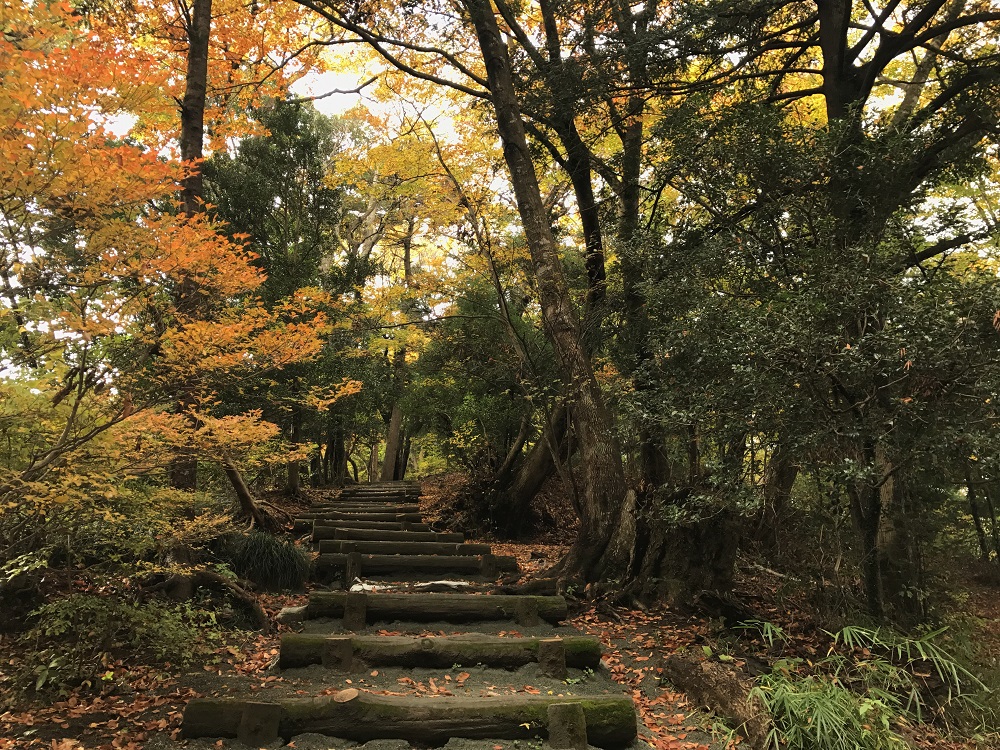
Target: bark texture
[{"x": 602, "y": 483}]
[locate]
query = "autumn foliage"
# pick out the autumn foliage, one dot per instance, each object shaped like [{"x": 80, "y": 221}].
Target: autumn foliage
[{"x": 113, "y": 303}]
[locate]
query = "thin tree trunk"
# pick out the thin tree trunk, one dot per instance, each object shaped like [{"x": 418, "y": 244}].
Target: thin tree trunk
[
  {"x": 511, "y": 510},
  {"x": 404, "y": 457},
  {"x": 373, "y": 461},
  {"x": 293, "y": 483},
  {"x": 977, "y": 519},
  {"x": 994, "y": 526}
]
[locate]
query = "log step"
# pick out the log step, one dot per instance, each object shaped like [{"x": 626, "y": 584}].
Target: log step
[
  {"x": 360, "y": 608},
  {"x": 381, "y": 535},
  {"x": 325, "y": 529},
  {"x": 331, "y": 567},
  {"x": 363, "y": 508},
  {"x": 380, "y": 492},
  {"x": 359, "y": 653},
  {"x": 388, "y": 547},
  {"x": 610, "y": 721},
  {"x": 328, "y": 515}
]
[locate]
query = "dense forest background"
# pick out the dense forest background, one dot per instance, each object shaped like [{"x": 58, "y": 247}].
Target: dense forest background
[{"x": 721, "y": 276}]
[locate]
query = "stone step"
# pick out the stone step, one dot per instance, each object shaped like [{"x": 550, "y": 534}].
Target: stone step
[
  {"x": 388, "y": 547},
  {"x": 607, "y": 722},
  {"x": 347, "y": 567},
  {"x": 360, "y": 608},
  {"x": 354, "y": 653}
]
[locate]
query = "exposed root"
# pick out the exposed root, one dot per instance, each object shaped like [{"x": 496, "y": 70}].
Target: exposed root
[{"x": 181, "y": 586}]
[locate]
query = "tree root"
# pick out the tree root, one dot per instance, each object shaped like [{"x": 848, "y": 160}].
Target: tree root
[{"x": 181, "y": 586}]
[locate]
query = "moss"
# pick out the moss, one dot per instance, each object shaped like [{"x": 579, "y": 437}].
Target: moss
[{"x": 585, "y": 651}]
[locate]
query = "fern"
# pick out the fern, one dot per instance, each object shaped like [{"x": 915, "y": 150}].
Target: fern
[{"x": 851, "y": 701}]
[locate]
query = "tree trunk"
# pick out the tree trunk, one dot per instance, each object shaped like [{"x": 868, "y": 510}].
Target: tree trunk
[
  {"x": 779, "y": 477},
  {"x": 293, "y": 482},
  {"x": 404, "y": 456},
  {"x": 193, "y": 105},
  {"x": 603, "y": 483},
  {"x": 511, "y": 507},
  {"x": 994, "y": 526},
  {"x": 335, "y": 457},
  {"x": 393, "y": 445},
  {"x": 866, "y": 512},
  {"x": 245, "y": 497},
  {"x": 184, "y": 470},
  {"x": 373, "y": 461},
  {"x": 977, "y": 519}
]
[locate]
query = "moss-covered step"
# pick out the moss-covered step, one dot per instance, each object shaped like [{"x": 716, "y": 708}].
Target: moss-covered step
[
  {"x": 347, "y": 653},
  {"x": 380, "y": 493},
  {"x": 359, "y": 608},
  {"x": 353, "y": 715},
  {"x": 389, "y": 547},
  {"x": 331, "y": 567},
  {"x": 359, "y": 507},
  {"x": 323, "y": 529},
  {"x": 388, "y": 515},
  {"x": 378, "y": 535}
]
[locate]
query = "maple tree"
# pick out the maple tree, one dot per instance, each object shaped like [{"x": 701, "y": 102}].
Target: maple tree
[{"x": 96, "y": 340}]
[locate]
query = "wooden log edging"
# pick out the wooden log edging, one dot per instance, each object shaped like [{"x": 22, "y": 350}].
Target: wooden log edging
[
  {"x": 353, "y": 715},
  {"x": 356, "y": 653},
  {"x": 457, "y": 608}
]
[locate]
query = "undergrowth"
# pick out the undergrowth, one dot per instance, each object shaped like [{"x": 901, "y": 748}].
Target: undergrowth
[
  {"x": 871, "y": 683},
  {"x": 272, "y": 563},
  {"x": 77, "y": 641}
]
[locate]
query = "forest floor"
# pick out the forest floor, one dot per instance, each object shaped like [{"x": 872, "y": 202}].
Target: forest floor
[{"x": 137, "y": 705}]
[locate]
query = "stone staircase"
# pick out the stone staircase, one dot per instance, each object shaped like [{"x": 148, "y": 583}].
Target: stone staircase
[{"x": 373, "y": 532}]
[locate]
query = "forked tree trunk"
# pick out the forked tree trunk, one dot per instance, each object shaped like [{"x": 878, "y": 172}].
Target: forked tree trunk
[
  {"x": 511, "y": 507},
  {"x": 245, "y": 497},
  {"x": 602, "y": 496},
  {"x": 614, "y": 542}
]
